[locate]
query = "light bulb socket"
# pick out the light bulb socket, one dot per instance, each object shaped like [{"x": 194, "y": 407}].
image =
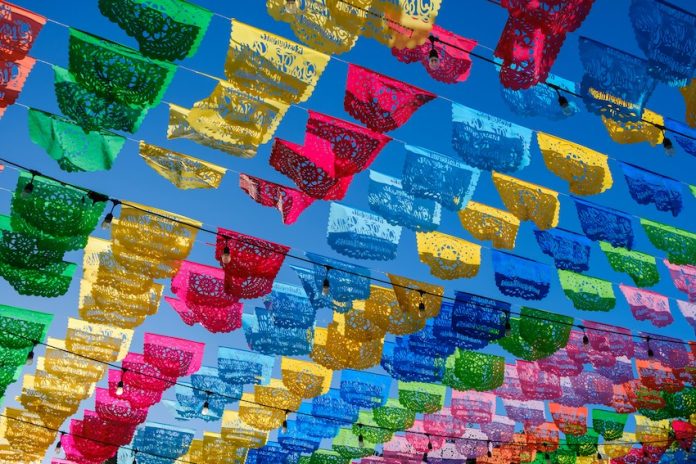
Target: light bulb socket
[
  {"x": 667, "y": 143},
  {"x": 326, "y": 285},
  {"x": 563, "y": 101},
  {"x": 28, "y": 188},
  {"x": 226, "y": 256}
]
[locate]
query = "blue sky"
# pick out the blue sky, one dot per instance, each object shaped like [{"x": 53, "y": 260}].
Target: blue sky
[{"x": 430, "y": 127}]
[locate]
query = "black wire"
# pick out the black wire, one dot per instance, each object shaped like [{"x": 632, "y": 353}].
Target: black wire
[
  {"x": 506, "y": 312},
  {"x": 493, "y": 62}
]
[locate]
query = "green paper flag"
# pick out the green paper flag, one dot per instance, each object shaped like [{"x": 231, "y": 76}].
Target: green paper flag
[
  {"x": 31, "y": 266},
  {"x": 422, "y": 397},
  {"x": 641, "y": 267},
  {"x": 471, "y": 370},
  {"x": 679, "y": 244},
  {"x": 609, "y": 424},
  {"x": 73, "y": 149},
  {"x": 393, "y": 416},
  {"x": 536, "y": 334},
  {"x": 165, "y": 29},
  {"x": 91, "y": 111},
  {"x": 587, "y": 293},
  {"x": 117, "y": 73},
  {"x": 20, "y": 329}
]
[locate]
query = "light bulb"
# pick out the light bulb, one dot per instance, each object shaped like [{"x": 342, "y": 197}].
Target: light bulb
[
  {"x": 430, "y": 445},
  {"x": 421, "y": 303},
  {"x": 326, "y": 285},
  {"x": 668, "y": 146},
  {"x": 291, "y": 7},
  {"x": 490, "y": 449},
  {"x": 650, "y": 353},
  {"x": 59, "y": 445},
  {"x": 599, "y": 456},
  {"x": 563, "y": 101},
  {"x": 28, "y": 188},
  {"x": 285, "y": 426},
  {"x": 226, "y": 256},
  {"x": 361, "y": 441},
  {"x": 119, "y": 388},
  {"x": 106, "y": 223},
  {"x": 508, "y": 327},
  {"x": 433, "y": 59},
  {"x": 30, "y": 357},
  {"x": 425, "y": 457},
  {"x": 206, "y": 410},
  {"x": 585, "y": 339}
]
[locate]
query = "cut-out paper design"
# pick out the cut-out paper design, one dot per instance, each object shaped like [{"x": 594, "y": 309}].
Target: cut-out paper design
[
  {"x": 91, "y": 111},
  {"x": 679, "y": 244},
  {"x": 536, "y": 334},
  {"x": 448, "y": 257},
  {"x": 288, "y": 201},
  {"x": 73, "y": 149},
  {"x": 647, "y": 187},
  {"x": 487, "y": 223},
  {"x": 542, "y": 100},
  {"x": 437, "y": 177},
  {"x": 360, "y": 234},
  {"x": 253, "y": 263},
  {"x": 389, "y": 199},
  {"x": 164, "y": 30},
  {"x": 640, "y": 266},
  {"x": 667, "y": 36},
  {"x": 616, "y": 84},
  {"x": 532, "y": 37},
  {"x": 453, "y": 54},
  {"x": 602, "y": 223},
  {"x": 527, "y": 201},
  {"x": 570, "y": 251},
  {"x": 229, "y": 120},
  {"x": 380, "y": 102},
  {"x": 586, "y": 171},
  {"x": 646, "y": 129},
  {"x": 185, "y": 172},
  {"x": 648, "y": 305},
  {"x": 490, "y": 143},
  {"x": 269, "y": 66},
  {"x": 587, "y": 293},
  {"x": 117, "y": 73},
  {"x": 202, "y": 298},
  {"x": 521, "y": 277},
  {"x": 684, "y": 278}
]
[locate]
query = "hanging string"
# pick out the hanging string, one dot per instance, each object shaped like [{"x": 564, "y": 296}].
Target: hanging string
[{"x": 309, "y": 261}]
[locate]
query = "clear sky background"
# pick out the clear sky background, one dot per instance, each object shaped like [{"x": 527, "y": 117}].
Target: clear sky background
[{"x": 430, "y": 127}]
